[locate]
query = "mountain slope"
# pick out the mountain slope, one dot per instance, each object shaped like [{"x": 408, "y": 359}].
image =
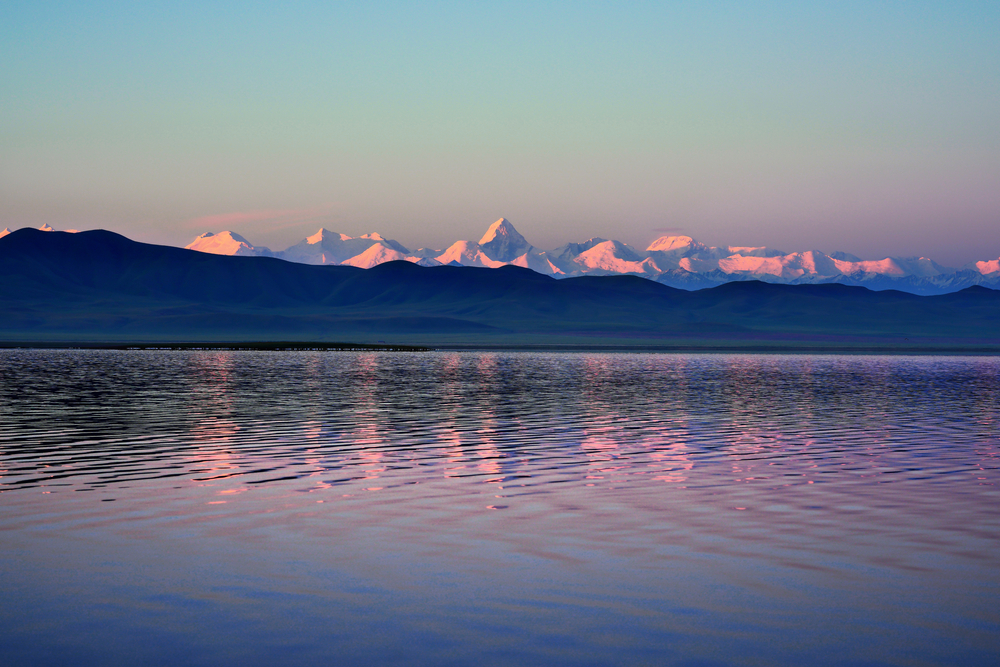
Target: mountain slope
[
  {"x": 503, "y": 243},
  {"x": 227, "y": 243},
  {"x": 101, "y": 285},
  {"x": 678, "y": 261}
]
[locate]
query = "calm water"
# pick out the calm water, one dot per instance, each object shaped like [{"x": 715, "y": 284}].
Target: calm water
[{"x": 498, "y": 508}]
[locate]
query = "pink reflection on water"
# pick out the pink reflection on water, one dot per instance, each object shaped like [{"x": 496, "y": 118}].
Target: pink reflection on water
[
  {"x": 449, "y": 433},
  {"x": 312, "y": 432},
  {"x": 212, "y": 398},
  {"x": 369, "y": 437},
  {"x": 670, "y": 447},
  {"x": 749, "y": 436},
  {"x": 490, "y": 457},
  {"x": 673, "y": 462},
  {"x": 215, "y": 427},
  {"x": 486, "y": 446},
  {"x": 602, "y": 426}
]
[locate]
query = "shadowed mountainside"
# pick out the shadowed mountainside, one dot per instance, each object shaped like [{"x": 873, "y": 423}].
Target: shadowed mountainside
[{"x": 102, "y": 286}]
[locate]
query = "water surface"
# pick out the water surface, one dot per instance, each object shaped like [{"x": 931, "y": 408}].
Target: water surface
[{"x": 498, "y": 508}]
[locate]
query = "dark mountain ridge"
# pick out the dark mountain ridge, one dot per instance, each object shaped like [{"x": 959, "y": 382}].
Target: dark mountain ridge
[{"x": 100, "y": 285}]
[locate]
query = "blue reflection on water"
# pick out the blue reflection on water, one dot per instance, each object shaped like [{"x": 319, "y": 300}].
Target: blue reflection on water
[{"x": 498, "y": 508}]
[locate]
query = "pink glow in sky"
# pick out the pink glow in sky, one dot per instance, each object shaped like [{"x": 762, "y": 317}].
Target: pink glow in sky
[{"x": 863, "y": 127}]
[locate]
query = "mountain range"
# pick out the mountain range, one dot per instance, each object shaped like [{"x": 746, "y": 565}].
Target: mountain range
[
  {"x": 101, "y": 286},
  {"x": 676, "y": 261}
]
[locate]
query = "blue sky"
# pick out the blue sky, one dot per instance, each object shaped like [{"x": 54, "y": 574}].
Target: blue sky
[{"x": 865, "y": 127}]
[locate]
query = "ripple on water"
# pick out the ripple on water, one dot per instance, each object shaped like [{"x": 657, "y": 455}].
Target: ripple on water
[{"x": 749, "y": 467}]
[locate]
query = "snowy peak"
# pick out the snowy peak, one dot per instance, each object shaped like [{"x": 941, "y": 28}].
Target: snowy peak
[
  {"x": 613, "y": 249},
  {"x": 676, "y": 260},
  {"x": 502, "y": 242},
  {"x": 381, "y": 253},
  {"x": 500, "y": 228},
  {"x": 670, "y": 249},
  {"x": 539, "y": 263},
  {"x": 672, "y": 243},
  {"x": 985, "y": 268},
  {"x": 226, "y": 243},
  {"x": 920, "y": 266},
  {"x": 43, "y": 228},
  {"x": 613, "y": 257},
  {"x": 376, "y": 254},
  {"x": 756, "y": 251},
  {"x": 788, "y": 267},
  {"x": 323, "y": 247},
  {"x": 325, "y": 235},
  {"x": 467, "y": 253},
  {"x": 571, "y": 250}
]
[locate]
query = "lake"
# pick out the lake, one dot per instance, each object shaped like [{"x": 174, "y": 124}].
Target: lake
[{"x": 495, "y": 508}]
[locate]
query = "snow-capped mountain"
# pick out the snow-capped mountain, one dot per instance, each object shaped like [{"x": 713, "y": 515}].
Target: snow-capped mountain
[
  {"x": 323, "y": 247},
  {"x": 43, "y": 228},
  {"x": 500, "y": 245},
  {"x": 503, "y": 243},
  {"x": 326, "y": 247},
  {"x": 985, "y": 268},
  {"x": 379, "y": 253},
  {"x": 227, "y": 243},
  {"x": 570, "y": 250},
  {"x": 609, "y": 257},
  {"x": 678, "y": 261},
  {"x": 467, "y": 253}
]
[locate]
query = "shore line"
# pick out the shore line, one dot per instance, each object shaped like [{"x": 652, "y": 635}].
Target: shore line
[
  {"x": 262, "y": 346},
  {"x": 315, "y": 346}
]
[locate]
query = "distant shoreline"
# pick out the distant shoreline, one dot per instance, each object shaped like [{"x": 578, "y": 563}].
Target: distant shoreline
[
  {"x": 261, "y": 346},
  {"x": 313, "y": 346}
]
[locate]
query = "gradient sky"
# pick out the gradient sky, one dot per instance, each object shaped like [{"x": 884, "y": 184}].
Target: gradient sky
[{"x": 869, "y": 127}]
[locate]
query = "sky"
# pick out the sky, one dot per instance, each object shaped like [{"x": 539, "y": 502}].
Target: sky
[{"x": 869, "y": 127}]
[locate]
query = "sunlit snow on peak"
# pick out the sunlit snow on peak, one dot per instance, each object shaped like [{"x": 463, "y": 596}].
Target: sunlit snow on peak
[
  {"x": 676, "y": 260},
  {"x": 668, "y": 243}
]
